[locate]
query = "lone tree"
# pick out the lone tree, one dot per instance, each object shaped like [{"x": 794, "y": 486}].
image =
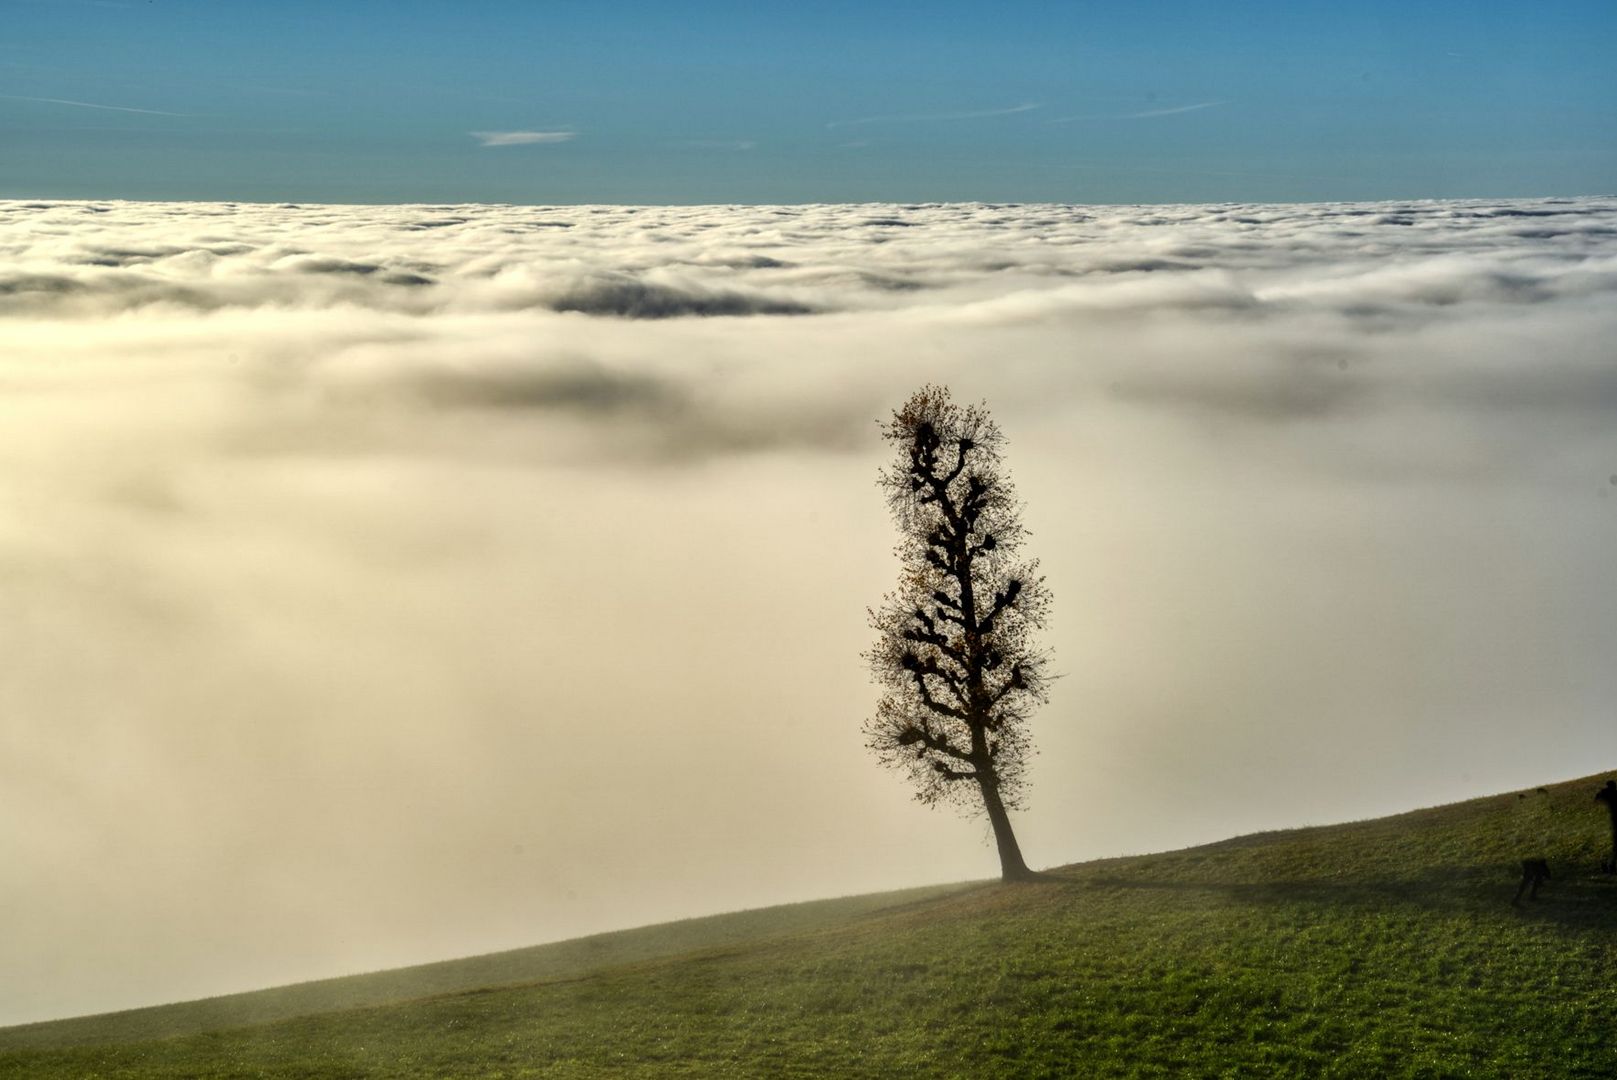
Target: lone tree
[{"x": 955, "y": 646}]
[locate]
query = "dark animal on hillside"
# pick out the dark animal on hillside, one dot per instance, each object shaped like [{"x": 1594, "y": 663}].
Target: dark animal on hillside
[
  {"x": 1608, "y": 795},
  {"x": 1534, "y": 873}
]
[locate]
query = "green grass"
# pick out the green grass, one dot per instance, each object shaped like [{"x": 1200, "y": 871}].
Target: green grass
[
  {"x": 1381, "y": 948},
  {"x": 563, "y": 959}
]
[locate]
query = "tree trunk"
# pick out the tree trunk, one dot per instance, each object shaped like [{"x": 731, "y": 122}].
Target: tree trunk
[{"x": 1011, "y": 865}]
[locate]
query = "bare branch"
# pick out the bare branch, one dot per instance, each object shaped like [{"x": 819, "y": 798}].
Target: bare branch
[
  {"x": 919, "y": 669},
  {"x": 939, "y": 642},
  {"x": 965, "y": 446},
  {"x": 1002, "y": 600},
  {"x": 941, "y": 744},
  {"x": 933, "y": 703}
]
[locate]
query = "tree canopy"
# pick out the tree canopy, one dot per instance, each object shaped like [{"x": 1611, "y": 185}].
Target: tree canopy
[{"x": 955, "y": 650}]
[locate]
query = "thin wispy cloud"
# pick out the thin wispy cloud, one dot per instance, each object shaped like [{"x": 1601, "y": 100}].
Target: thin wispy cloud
[
  {"x": 1175, "y": 110},
  {"x": 912, "y": 118},
  {"x": 521, "y": 138},
  {"x": 1146, "y": 114},
  {"x": 91, "y": 105}
]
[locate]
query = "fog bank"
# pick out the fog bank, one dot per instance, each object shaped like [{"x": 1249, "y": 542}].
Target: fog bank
[{"x": 394, "y": 583}]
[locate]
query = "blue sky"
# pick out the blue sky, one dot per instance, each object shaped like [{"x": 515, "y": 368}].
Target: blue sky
[{"x": 825, "y": 102}]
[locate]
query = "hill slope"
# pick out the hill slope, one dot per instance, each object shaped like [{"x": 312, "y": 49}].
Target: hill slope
[
  {"x": 1385, "y": 947},
  {"x": 558, "y": 960}
]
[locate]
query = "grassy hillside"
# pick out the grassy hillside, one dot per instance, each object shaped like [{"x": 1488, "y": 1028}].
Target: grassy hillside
[
  {"x": 1381, "y": 948},
  {"x": 559, "y": 960}
]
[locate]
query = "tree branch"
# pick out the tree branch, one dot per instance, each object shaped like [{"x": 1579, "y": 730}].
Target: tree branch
[
  {"x": 919, "y": 669},
  {"x": 941, "y": 643},
  {"x": 966, "y": 446},
  {"x": 1017, "y": 681},
  {"x": 1002, "y": 600},
  {"x": 912, "y": 735},
  {"x": 972, "y": 505},
  {"x": 923, "y": 470},
  {"x": 932, "y": 636}
]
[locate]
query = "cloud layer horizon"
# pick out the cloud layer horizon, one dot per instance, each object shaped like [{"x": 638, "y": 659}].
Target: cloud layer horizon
[{"x": 397, "y": 582}]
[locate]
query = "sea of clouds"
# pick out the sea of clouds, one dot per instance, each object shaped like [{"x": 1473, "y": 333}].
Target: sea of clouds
[{"x": 388, "y": 583}]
